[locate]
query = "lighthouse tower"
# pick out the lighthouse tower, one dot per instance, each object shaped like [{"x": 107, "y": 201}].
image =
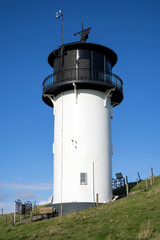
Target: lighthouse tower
[{"x": 82, "y": 92}]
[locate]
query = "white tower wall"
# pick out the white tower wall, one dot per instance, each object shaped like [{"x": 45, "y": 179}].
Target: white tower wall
[{"x": 82, "y": 144}]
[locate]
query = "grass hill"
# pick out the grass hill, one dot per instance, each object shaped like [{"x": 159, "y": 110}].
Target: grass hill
[{"x": 134, "y": 217}]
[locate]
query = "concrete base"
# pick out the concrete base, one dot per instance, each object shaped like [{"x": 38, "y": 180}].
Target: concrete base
[{"x": 73, "y": 207}]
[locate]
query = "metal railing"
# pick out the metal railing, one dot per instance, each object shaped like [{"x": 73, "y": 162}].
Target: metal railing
[{"x": 82, "y": 74}]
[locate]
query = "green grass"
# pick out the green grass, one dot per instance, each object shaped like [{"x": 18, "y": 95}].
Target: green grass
[{"x": 134, "y": 217}]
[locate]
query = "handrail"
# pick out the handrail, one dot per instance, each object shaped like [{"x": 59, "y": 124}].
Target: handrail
[{"x": 82, "y": 74}]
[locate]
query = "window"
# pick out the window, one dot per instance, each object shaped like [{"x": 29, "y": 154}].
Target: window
[
  {"x": 108, "y": 66},
  {"x": 83, "y": 178}
]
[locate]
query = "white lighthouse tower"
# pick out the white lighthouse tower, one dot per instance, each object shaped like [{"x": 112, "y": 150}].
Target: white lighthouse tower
[{"x": 82, "y": 92}]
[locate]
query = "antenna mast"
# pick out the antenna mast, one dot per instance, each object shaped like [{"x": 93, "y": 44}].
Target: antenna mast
[{"x": 59, "y": 14}]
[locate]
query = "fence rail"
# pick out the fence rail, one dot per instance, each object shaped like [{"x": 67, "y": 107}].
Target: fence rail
[{"x": 82, "y": 74}]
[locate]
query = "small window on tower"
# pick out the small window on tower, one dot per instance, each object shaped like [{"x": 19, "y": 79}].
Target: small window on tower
[{"x": 83, "y": 178}]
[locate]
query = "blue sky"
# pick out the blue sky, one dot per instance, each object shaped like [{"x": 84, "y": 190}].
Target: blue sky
[{"x": 29, "y": 32}]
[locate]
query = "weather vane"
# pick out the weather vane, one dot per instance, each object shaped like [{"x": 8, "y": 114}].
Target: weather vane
[
  {"x": 83, "y": 33},
  {"x": 59, "y": 14}
]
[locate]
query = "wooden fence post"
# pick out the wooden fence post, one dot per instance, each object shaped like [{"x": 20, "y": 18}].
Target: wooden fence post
[
  {"x": 61, "y": 209},
  {"x": 137, "y": 182},
  {"x": 36, "y": 211},
  {"x": 151, "y": 180},
  {"x": 14, "y": 212},
  {"x": 139, "y": 176},
  {"x": 152, "y": 172},
  {"x": 126, "y": 180},
  {"x": 127, "y": 189},
  {"x": 146, "y": 183},
  {"x": 97, "y": 198},
  {"x": 152, "y": 175},
  {"x": 31, "y": 216}
]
